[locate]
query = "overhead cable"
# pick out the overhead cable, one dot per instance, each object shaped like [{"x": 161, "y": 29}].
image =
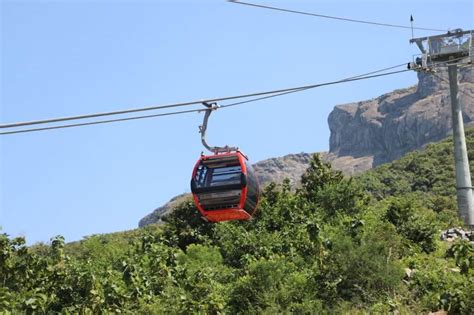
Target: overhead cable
[
  {"x": 99, "y": 122},
  {"x": 134, "y": 110},
  {"x": 275, "y": 93},
  {"x": 335, "y": 17},
  {"x": 306, "y": 88}
]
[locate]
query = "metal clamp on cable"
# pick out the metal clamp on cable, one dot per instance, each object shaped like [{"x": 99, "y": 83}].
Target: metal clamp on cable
[{"x": 211, "y": 106}]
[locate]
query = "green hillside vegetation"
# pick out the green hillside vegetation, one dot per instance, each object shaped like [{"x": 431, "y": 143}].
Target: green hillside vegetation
[
  {"x": 429, "y": 171},
  {"x": 334, "y": 245}
]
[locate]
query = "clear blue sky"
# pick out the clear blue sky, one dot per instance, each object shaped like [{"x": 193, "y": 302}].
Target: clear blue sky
[{"x": 61, "y": 58}]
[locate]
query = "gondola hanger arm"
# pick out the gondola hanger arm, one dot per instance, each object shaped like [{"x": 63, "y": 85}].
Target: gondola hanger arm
[{"x": 210, "y": 107}]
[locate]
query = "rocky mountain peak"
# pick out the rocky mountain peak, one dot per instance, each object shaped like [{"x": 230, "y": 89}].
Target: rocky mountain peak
[{"x": 404, "y": 120}]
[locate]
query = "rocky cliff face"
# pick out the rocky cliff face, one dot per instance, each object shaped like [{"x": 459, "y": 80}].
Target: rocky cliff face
[
  {"x": 289, "y": 166},
  {"x": 404, "y": 120},
  {"x": 368, "y": 133}
]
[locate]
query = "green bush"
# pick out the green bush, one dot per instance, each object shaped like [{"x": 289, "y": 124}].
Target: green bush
[{"x": 416, "y": 223}]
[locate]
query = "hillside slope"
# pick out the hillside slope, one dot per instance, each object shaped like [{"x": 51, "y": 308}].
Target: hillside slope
[{"x": 430, "y": 170}]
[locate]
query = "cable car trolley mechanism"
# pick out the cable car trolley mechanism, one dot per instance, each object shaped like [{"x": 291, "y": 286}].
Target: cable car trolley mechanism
[
  {"x": 452, "y": 46},
  {"x": 224, "y": 185}
]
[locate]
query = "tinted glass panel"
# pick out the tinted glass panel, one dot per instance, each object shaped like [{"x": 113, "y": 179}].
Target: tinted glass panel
[
  {"x": 221, "y": 176},
  {"x": 225, "y": 176}
]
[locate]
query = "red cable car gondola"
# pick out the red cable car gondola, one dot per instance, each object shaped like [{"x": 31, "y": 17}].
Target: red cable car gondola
[{"x": 224, "y": 185}]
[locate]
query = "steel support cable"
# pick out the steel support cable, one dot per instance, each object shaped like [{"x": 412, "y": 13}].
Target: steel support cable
[
  {"x": 134, "y": 110},
  {"x": 303, "y": 89},
  {"x": 100, "y": 122},
  {"x": 334, "y": 17},
  {"x": 275, "y": 94},
  {"x": 128, "y": 111}
]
